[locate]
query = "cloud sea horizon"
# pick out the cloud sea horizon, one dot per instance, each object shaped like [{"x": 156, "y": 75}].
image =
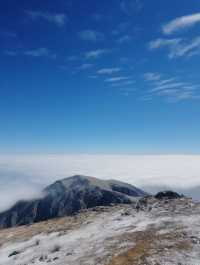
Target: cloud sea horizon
[{"x": 24, "y": 176}]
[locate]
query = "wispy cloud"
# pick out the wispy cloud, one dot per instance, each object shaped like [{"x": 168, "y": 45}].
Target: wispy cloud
[
  {"x": 151, "y": 76},
  {"x": 95, "y": 54},
  {"x": 108, "y": 71},
  {"x": 159, "y": 43},
  {"x": 131, "y": 6},
  {"x": 178, "y": 94},
  {"x": 121, "y": 28},
  {"x": 166, "y": 81},
  {"x": 91, "y": 35},
  {"x": 177, "y": 47},
  {"x": 117, "y": 79},
  {"x": 85, "y": 66},
  {"x": 171, "y": 88},
  {"x": 8, "y": 34},
  {"x": 181, "y": 23},
  {"x": 58, "y": 19},
  {"x": 169, "y": 85},
  {"x": 72, "y": 58},
  {"x": 124, "y": 39},
  {"x": 39, "y": 52},
  {"x": 123, "y": 84}
]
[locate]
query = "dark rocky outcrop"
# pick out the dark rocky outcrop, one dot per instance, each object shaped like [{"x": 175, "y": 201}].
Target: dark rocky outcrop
[
  {"x": 68, "y": 196},
  {"x": 167, "y": 195}
]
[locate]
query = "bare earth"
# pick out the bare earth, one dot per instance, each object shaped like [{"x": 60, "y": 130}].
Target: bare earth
[{"x": 163, "y": 232}]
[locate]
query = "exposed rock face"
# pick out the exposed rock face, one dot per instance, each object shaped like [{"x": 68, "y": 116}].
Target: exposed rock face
[
  {"x": 68, "y": 196},
  {"x": 167, "y": 195}
]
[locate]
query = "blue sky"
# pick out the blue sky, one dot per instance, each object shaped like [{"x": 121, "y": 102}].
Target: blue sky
[{"x": 100, "y": 76}]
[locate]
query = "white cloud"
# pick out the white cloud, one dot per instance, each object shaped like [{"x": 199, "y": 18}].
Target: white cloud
[
  {"x": 124, "y": 39},
  {"x": 58, "y": 19},
  {"x": 159, "y": 43},
  {"x": 117, "y": 79},
  {"x": 131, "y": 6},
  {"x": 165, "y": 81},
  {"x": 91, "y": 35},
  {"x": 95, "y": 53},
  {"x": 170, "y": 88},
  {"x": 177, "y": 47},
  {"x": 123, "y": 84},
  {"x": 176, "y": 95},
  {"x": 38, "y": 52},
  {"x": 181, "y": 23},
  {"x": 108, "y": 71},
  {"x": 27, "y": 173},
  {"x": 121, "y": 28},
  {"x": 85, "y": 66},
  {"x": 152, "y": 76},
  {"x": 189, "y": 49},
  {"x": 72, "y": 58}
]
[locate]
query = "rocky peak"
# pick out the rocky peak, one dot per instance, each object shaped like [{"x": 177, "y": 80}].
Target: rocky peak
[{"x": 68, "y": 196}]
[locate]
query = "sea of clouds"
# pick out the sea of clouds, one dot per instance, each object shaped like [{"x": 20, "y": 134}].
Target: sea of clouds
[{"x": 24, "y": 176}]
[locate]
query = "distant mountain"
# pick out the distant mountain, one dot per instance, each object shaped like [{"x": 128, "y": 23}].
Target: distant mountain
[
  {"x": 193, "y": 192},
  {"x": 68, "y": 196}
]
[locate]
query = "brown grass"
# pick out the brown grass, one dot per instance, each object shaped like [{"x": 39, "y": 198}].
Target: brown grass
[
  {"x": 132, "y": 256},
  {"x": 147, "y": 244}
]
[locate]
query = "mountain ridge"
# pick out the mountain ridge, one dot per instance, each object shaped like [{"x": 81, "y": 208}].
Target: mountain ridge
[{"x": 68, "y": 196}]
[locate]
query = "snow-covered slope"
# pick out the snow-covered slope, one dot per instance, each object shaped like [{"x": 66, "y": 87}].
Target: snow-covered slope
[{"x": 164, "y": 232}]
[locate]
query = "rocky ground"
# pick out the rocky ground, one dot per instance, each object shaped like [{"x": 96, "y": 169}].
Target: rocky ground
[{"x": 151, "y": 232}]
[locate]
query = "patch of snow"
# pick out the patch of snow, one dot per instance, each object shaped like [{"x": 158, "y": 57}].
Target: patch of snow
[
  {"x": 103, "y": 236},
  {"x": 83, "y": 246}
]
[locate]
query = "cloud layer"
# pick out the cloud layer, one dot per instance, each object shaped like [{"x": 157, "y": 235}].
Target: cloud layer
[{"x": 24, "y": 176}]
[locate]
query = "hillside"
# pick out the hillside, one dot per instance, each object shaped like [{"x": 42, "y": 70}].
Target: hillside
[
  {"x": 68, "y": 196},
  {"x": 159, "y": 231}
]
